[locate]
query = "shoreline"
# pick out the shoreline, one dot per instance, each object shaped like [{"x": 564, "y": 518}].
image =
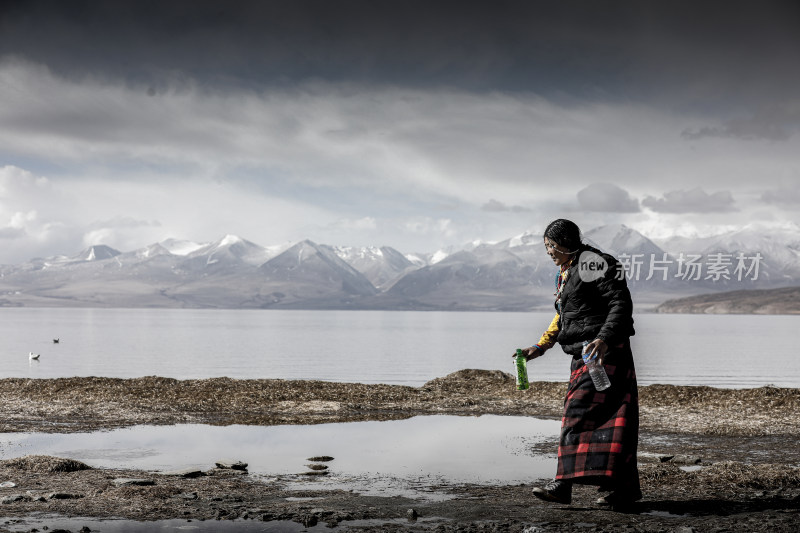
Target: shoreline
[
  {"x": 743, "y": 439},
  {"x": 76, "y": 404}
]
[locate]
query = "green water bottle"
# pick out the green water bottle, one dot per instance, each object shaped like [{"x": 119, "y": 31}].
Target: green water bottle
[{"x": 522, "y": 370}]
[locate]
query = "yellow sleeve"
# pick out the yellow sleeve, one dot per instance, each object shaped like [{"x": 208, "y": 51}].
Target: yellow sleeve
[{"x": 548, "y": 338}]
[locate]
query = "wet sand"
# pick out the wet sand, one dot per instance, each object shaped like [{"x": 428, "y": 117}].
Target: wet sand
[{"x": 747, "y": 479}]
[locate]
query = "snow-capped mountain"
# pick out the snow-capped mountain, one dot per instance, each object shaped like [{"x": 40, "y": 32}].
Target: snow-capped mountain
[
  {"x": 488, "y": 277},
  {"x": 648, "y": 267},
  {"x": 771, "y": 254},
  {"x": 381, "y": 265},
  {"x": 780, "y": 248},
  {"x": 229, "y": 252},
  {"x": 96, "y": 253},
  {"x": 148, "y": 252},
  {"x": 179, "y": 247},
  {"x": 619, "y": 239},
  {"x": 308, "y": 271},
  {"x": 513, "y": 274},
  {"x": 418, "y": 260},
  {"x": 529, "y": 246}
]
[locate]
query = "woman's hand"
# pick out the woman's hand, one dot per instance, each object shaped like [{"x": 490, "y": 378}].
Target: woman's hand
[
  {"x": 597, "y": 347},
  {"x": 530, "y": 353}
]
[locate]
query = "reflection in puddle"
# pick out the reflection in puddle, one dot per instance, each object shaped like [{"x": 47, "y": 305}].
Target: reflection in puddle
[
  {"x": 177, "y": 525},
  {"x": 397, "y": 458},
  {"x": 416, "y": 452},
  {"x": 664, "y": 514},
  {"x": 46, "y": 522}
]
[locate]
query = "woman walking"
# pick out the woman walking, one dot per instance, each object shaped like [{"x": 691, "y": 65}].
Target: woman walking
[{"x": 599, "y": 429}]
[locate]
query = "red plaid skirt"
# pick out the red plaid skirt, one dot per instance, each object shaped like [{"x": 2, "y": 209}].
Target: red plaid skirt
[{"x": 600, "y": 430}]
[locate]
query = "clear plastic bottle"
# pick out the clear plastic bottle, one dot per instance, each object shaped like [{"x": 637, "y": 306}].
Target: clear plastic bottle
[
  {"x": 522, "y": 370},
  {"x": 596, "y": 370}
]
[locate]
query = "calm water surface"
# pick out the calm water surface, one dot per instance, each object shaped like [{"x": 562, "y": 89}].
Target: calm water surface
[
  {"x": 407, "y": 348},
  {"x": 372, "y": 457}
]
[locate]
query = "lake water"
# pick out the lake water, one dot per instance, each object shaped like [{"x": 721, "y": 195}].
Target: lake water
[{"x": 396, "y": 347}]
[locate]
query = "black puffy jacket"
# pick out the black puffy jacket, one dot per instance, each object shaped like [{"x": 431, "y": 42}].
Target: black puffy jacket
[{"x": 594, "y": 308}]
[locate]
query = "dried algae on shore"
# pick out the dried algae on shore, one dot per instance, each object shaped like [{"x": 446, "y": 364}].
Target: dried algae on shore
[{"x": 87, "y": 403}]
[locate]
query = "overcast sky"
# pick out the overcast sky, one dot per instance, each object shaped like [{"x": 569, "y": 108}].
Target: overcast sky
[{"x": 413, "y": 124}]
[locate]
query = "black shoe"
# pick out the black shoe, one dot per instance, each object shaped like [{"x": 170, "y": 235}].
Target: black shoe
[
  {"x": 556, "y": 491},
  {"x": 620, "y": 500}
]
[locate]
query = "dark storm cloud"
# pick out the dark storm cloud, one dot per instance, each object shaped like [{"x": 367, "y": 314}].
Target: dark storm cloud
[
  {"x": 789, "y": 196},
  {"x": 689, "y": 50},
  {"x": 606, "y": 198},
  {"x": 691, "y": 201},
  {"x": 773, "y": 124}
]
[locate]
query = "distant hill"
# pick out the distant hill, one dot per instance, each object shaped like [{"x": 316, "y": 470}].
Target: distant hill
[
  {"x": 784, "y": 301},
  {"x": 514, "y": 274}
]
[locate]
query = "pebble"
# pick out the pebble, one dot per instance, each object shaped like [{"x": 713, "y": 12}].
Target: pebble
[
  {"x": 320, "y": 458},
  {"x": 231, "y": 465},
  {"x": 14, "y": 498},
  {"x": 184, "y": 472},
  {"x": 63, "y": 496},
  {"x": 681, "y": 459}
]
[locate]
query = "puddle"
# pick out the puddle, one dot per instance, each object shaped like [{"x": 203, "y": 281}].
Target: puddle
[
  {"x": 664, "y": 514},
  {"x": 395, "y": 458},
  {"x": 195, "y": 526},
  {"x": 130, "y": 526},
  {"x": 384, "y": 458}
]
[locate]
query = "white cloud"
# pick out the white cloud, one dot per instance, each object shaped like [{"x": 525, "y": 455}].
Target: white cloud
[
  {"x": 365, "y": 223},
  {"x": 20, "y": 183},
  {"x": 20, "y": 220},
  {"x": 692, "y": 201},
  {"x": 25, "y": 227},
  {"x": 499, "y": 207},
  {"x": 99, "y": 236},
  {"x": 430, "y": 226},
  {"x": 68, "y": 215},
  {"x": 789, "y": 196}
]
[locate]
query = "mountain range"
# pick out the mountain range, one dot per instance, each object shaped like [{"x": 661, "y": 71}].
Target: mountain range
[{"x": 511, "y": 275}]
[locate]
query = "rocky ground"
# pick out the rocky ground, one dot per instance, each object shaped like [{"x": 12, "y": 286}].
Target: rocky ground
[{"x": 712, "y": 460}]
